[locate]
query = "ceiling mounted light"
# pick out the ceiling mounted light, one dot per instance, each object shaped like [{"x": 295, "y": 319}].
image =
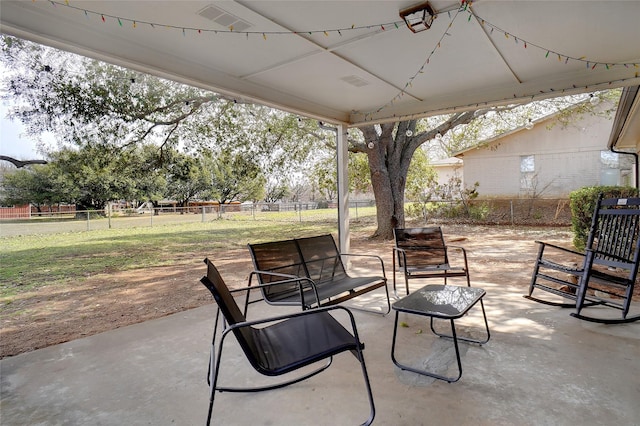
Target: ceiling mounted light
[{"x": 418, "y": 17}]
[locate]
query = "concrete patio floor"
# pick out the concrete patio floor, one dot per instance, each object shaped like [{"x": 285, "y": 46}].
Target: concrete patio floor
[{"x": 541, "y": 367}]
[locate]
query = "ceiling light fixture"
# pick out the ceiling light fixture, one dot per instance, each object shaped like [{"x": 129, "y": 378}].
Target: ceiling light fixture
[{"x": 418, "y": 17}]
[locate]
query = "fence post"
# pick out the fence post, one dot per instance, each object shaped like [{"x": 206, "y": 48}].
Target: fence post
[
  {"x": 88, "y": 227},
  {"x": 511, "y": 205},
  {"x": 204, "y": 214},
  {"x": 300, "y": 212},
  {"x": 109, "y": 214}
]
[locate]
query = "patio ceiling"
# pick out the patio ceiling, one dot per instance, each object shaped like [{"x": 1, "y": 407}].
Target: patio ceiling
[{"x": 352, "y": 61}]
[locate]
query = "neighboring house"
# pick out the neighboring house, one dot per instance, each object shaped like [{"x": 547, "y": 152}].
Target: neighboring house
[
  {"x": 547, "y": 161},
  {"x": 447, "y": 169}
]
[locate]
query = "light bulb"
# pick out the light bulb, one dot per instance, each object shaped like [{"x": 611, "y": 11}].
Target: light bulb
[
  {"x": 529, "y": 125},
  {"x": 409, "y": 133},
  {"x": 371, "y": 145},
  {"x": 45, "y": 74},
  {"x": 595, "y": 99},
  {"x": 186, "y": 108},
  {"x": 438, "y": 136},
  {"x": 134, "y": 88}
]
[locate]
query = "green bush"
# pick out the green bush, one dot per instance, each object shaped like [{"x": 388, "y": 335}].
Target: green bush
[{"x": 583, "y": 202}]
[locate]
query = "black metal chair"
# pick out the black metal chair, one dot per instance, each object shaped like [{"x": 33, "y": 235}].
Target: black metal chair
[
  {"x": 605, "y": 274},
  {"x": 278, "y": 345},
  {"x": 422, "y": 253}
]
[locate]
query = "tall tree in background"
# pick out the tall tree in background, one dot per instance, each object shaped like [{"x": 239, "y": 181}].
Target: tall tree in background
[
  {"x": 85, "y": 102},
  {"x": 35, "y": 185},
  {"x": 390, "y": 148},
  {"x": 232, "y": 176}
]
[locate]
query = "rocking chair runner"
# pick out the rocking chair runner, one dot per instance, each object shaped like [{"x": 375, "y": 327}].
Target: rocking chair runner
[
  {"x": 606, "y": 273},
  {"x": 278, "y": 345}
]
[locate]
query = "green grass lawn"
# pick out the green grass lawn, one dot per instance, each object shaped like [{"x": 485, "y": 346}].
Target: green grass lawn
[{"x": 33, "y": 260}]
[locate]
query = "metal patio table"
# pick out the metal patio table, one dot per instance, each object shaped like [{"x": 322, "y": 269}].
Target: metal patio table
[{"x": 446, "y": 302}]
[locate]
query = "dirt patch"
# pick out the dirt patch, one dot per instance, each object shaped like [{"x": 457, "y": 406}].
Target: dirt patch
[{"x": 55, "y": 314}]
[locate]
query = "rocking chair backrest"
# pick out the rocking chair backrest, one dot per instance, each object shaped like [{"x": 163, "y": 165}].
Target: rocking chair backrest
[{"x": 614, "y": 233}]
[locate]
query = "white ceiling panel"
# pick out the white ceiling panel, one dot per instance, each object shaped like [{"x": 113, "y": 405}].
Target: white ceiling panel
[{"x": 352, "y": 61}]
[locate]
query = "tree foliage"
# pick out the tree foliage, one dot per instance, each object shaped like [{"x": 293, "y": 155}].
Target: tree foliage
[
  {"x": 86, "y": 103},
  {"x": 35, "y": 185},
  {"x": 234, "y": 177}
]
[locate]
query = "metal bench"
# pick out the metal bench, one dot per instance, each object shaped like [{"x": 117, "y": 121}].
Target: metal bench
[
  {"x": 605, "y": 274},
  {"x": 310, "y": 273}
]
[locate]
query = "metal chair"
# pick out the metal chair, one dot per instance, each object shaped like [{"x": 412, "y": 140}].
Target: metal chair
[
  {"x": 278, "y": 345},
  {"x": 422, "y": 253}
]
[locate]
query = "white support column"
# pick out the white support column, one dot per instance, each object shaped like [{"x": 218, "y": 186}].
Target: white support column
[{"x": 343, "y": 188}]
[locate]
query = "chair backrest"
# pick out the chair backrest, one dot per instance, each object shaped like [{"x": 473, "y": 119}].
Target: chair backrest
[
  {"x": 281, "y": 257},
  {"x": 321, "y": 257},
  {"x": 615, "y": 232},
  {"x": 423, "y": 246},
  {"x": 230, "y": 310}
]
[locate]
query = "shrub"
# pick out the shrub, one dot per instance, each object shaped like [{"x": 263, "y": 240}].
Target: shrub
[{"x": 583, "y": 202}]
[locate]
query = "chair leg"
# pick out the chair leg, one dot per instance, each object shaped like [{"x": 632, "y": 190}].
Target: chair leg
[
  {"x": 367, "y": 383},
  {"x": 424, "y": 372},
  {"x": 393, "y": 266}
]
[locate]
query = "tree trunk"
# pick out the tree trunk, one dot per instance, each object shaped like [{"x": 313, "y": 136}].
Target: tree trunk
[
  {"x": 390, "y": 147},
  {"x": 389, "y": 159}
]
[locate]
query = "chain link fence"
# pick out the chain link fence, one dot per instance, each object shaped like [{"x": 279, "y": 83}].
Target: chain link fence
[{"x": 89, "y": 220}]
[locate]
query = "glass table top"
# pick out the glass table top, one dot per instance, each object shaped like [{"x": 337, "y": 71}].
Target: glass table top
[{"x": 442, "y": 301}]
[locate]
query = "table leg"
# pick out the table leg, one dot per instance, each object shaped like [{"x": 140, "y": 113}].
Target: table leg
[
  {"x": 467, "y": 339},
  {"x": 424, "y": 372}
]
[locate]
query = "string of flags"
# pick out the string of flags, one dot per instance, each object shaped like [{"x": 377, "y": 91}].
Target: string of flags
[{"x": 465, "y": 7}]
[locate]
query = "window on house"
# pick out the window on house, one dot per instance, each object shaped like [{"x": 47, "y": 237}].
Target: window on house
[
  {"x": 610, "y": 168},
  {"x": 527, "y": 171}
]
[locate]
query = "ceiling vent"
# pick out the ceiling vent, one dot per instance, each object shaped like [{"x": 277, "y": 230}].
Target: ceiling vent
[
  {"x": 354, "y": 80},
  {"x": 224, "y": 19}
]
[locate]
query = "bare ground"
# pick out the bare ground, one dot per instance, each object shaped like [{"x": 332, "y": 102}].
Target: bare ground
[{"x": 55, "y": 314}]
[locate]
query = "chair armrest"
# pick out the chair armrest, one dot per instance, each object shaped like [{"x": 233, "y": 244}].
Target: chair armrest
[
  {"x": 464, "y": 254},
  {"x": 371, "y": 256},
  {"x": 566, "y": 250},
  {"x": 289, "y": 279}
]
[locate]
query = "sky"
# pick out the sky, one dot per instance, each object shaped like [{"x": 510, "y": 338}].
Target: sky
[{"x": 13, "y": 141}]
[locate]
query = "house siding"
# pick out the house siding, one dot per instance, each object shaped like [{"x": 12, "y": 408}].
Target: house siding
[{"x": 566, "y": 158}]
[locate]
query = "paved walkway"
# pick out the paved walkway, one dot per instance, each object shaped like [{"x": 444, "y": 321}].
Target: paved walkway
[{"x": 541, "y": 367}]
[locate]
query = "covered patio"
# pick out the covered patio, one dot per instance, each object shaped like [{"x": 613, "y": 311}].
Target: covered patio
[
  {"x": 541, "y": 366},
  {"x": 347, "y": 64},
  {"x": 350, "y": 63}
]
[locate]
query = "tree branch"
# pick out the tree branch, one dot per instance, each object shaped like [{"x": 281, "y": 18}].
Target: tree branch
[{"x": 21, "y": 163}]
